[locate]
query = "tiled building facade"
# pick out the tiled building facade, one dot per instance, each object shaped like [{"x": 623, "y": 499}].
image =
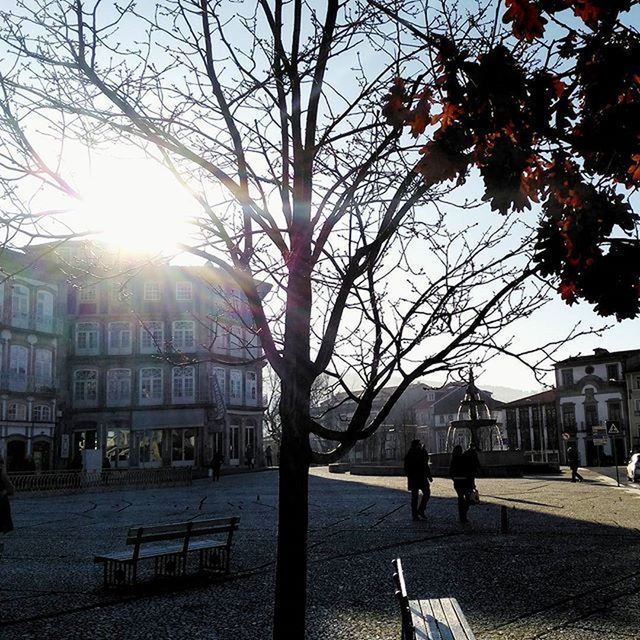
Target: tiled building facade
[{"x": 160, "y": 366}]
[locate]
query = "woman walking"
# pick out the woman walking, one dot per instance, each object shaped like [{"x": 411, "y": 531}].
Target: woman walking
[{"x": 462, "y": 476}]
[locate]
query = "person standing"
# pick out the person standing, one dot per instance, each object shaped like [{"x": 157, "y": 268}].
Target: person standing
[
  {"x": 6, "y": 489},
  {"x": 248, "y": 456},
  {"x": 461, "y": 472},
  {"x": 416, "y": 468},
  {"x": 573, "y": 458},
  {"x": 472, "y": 462},
  {"x": 268, "y": 454}
]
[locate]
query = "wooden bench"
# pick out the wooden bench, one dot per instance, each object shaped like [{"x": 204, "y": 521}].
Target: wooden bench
[
  {"x": 169, "y": 546},
  {"x": 433, "y": 619}
]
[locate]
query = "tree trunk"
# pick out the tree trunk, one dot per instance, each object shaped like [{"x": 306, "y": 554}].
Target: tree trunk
[{"x": 293, "y": 520}]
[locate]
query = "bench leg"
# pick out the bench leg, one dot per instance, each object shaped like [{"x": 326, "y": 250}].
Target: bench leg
[
  {"x": 119, "y": 574},
  {"x": 171, "y": 565},
  {"x": 214, "y": 560}
]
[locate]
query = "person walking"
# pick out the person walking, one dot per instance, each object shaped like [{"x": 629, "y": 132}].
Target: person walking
[
  {"x": 461, "y": 472},
  {"x": 472, "y": 462},
  {"x": 216, "y": 465},
  {"x": 416, "y": 468},
  {"x": 573, "y": 458}
]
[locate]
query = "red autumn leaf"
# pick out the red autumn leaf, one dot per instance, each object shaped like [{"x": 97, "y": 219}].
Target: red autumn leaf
[
  {"x": 634, "y": 169},
  {"x": 528, "y": 23},
  {"x": 559, "y": 87},
  {"x": 418, "y": 119},
  {"x": 587, "y": 11},
  {"x": 568, "y": 292},
  {"x": 450, "y": 112}
]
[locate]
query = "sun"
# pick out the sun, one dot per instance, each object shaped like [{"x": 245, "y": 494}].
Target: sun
[{"x": 135, "y": 205}]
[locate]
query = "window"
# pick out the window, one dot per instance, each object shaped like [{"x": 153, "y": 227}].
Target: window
[
  {"x": 119, "y": 338},
  {"x": 567, "y": 377},
  {"x": 235, "y": 386},
  {"x": 150, "y": 448},
  {"x": 151, "y": 291},
  {"x": 252, "y": 388},
  {"x": 42, "y": 413},
  {"x": 44, "y": 311},
  {"x": 220, "y": 336},
  {"x": 637, "y": 382},
  {"x": 235, "y": 342},
  {"x": 19, "y": 304},
  {"x": 88, "y": 300},
  {"x": 151, "y": 385},
  {"x": 87, "y": 334},
  {"x": 118, "y": 387},
  {"x": 569, "y": 417},
  {"x": 17, "y": 411},
  {"x": 184, "y": 334},
  {"x": 612, "y": 371},
  {"x": 85, "y": 385},
  {"x": 591, "y": 414},
  {"x": 88, "y": 295},
  {"x": 636, "y": 407},
  {"x": 43, "y": 364},
  {"x": 18, "y": 360},
  {"x": 184, "y": 291},
  {"x": 614, "y": 410},
  {"x": 151, "y": 337},
  {"x": 183, "y": 384}
]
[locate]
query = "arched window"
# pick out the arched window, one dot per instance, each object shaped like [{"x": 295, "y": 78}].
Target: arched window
[
  {"x": 119, "y": 386},
  {"x": 151, "y": 385},
  {"x": 42, "y": 413},
  {"x": 17, "y": 411},
  {"x": 85, "y": 385},
  {"x": 183, "y": 384},
  {"x": 19, "y": 305},
  {"x": 44, "y": 311}
]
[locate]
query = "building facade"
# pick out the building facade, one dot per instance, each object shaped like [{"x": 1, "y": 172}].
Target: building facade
[
  {"x": 591, "y": 390},
  {"x": 532, "y": 426},
  {"x": 30, "y": 335},
  {"x": 159, "y": 366}
]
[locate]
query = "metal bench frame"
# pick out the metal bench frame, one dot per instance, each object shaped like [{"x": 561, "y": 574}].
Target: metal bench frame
[{"x": 169, "y": 546}]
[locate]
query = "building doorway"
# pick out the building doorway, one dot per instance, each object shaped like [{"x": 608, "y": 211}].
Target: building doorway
[{"x": 16, "y": 455}]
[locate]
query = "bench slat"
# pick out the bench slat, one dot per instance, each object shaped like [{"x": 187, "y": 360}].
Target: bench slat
[
  {"x": 456, "y": 619},
  {"x": 156, "y": 533},
  {"x": 439, "y": 619},
  {"x": 152, "y": 551}
]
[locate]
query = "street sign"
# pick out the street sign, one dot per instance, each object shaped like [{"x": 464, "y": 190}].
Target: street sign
[
  {"x": 600, "y": 437},
  {"x": 612, "y": 428},
  {"x": 566, "y": 436}
]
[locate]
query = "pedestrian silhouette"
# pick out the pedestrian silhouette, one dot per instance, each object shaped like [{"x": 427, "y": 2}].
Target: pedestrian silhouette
[{"x": 416, "y": 468}]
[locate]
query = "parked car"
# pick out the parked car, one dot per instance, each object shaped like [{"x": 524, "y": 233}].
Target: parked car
[{"x": 633, "y": 468}]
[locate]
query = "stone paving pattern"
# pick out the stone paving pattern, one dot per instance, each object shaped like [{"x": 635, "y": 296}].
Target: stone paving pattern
[{"x": 569, "y": 567}]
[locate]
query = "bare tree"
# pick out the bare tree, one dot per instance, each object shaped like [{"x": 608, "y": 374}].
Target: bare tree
[{"x": 298, "y": 128}]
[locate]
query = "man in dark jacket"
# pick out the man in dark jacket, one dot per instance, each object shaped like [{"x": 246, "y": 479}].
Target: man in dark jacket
[
  {"x": 573, "y": 458},
  {"x": 416, "y": 468}
]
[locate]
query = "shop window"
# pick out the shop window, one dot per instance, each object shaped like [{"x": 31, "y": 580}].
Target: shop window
[
  {"x": 117, "y": 450},
  {"x": 150, "y": 447},
  {"x": 183, "y": 445}
]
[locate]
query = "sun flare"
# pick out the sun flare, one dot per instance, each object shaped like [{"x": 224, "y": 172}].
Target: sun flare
[{"x": 135, "y": 205}]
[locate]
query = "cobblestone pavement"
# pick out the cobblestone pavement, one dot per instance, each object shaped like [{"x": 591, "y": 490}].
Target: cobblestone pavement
[{"x": 568, "y": 568}]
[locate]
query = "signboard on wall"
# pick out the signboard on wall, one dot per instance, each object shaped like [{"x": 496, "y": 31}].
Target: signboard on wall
[{"x": 64, "y": 445}]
